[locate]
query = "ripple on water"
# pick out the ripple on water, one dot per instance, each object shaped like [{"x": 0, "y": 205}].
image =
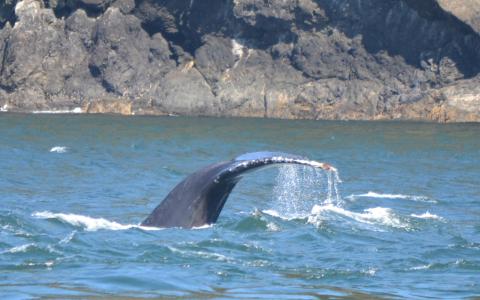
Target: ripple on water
[{"x": 69, "y": 227}]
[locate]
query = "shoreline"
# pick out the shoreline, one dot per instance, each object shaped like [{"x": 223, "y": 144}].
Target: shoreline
[{"x": 64, "y": 113}]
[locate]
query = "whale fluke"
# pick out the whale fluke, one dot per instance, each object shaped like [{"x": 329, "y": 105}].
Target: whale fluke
[{"x": 199, "y": 198}]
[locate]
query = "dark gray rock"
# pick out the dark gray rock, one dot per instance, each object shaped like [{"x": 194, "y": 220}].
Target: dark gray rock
[
  {"x": 125, "y": 6},
  {"x": 322, "y": 59}
]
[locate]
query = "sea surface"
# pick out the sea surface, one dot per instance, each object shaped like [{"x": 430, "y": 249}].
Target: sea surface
[{"x": 401, "y": 221}]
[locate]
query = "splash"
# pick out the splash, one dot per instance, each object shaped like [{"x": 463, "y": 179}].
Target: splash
[
  {"x": 313, "y": 194},
  {"x": 299, "y": 188}
]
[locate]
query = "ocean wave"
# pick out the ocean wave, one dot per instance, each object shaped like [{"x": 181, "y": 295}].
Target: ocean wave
[
  {"x": 202, "y": 254},
  {"x": 371, "y": 194},
  {"x": 89, "y": 223},
  {"x": 15, "y": 231},
  {"x": 20, "y": 249},
  {"x": 68, "y": 238},
  {"x": 290, "y": 217},
  {"x": 427, "y": 215},
  {"x": 59, "y": 149},
  {"x": 373, "y": 216},
  {"x": 206, "y": 226},
  {"x": 48, "y": 264},
  {"x": 272, "y": 227},
  {"x": 421, "y": 267}
]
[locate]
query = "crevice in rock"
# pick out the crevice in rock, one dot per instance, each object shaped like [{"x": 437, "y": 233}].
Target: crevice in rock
[
  {"x": 265, "y": 105},
  {"x": 97, "y": 74},
  {"x": 94, "y": 71},
  {"x": 4, "y": 56},
  {"x": 109, "y": 87},
  {"x": 7, "y": 13},
  {"x": 64, "y": 11},
  {"x": 210, "y": 88},
  {"x": 188, "y": 44},
  {"x": 8, "y": 88},
  {"x": 237, "y": 105}
]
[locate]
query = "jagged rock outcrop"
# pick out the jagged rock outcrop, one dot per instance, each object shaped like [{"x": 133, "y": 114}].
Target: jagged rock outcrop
[
  {"x": 314, "y": 59},
  {"x": 468, "y": 11}
]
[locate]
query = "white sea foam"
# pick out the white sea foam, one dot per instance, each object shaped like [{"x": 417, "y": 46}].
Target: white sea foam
[
  {"x": 272, "y": 213},
  {"x": 4, "y": 108},
  {"x": 272, "y": 227},
  {"x": 427, "y": 215},
  {"x": 370, "y": 271},
  {"x": 21, "y": 248},
  {"x": 289, "y": 217},
  {"x": 422, "y": 267},
  {"x": 208, "y": 255},
  {"x": 88, "y": 223},
  {"x": 49, "y": 263},
  {"x": 68, "y": 238},
  {"x": 59, "y": 149},
  {"x": 76, "y": 110},
  {"x": 374, "y": 216},
  {"x": 206, "y": 226},
  {"x": 16, "y": 231},
  {"x": 391, "y": 196},
  {"x": 320, "y": 213}
]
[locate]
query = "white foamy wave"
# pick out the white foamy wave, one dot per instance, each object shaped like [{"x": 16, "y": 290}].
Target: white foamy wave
[
  {"x": 59, "y": 149},
  {"x": 21, "y": 248},
  {"x": 370, "y": 271},
  {"x": 68, "y": 238},
  {"x": 88, "y": 223},
  {"x": 422, "y": 267},
  {"x": 427, "y": 215},
  {"x": 391, "y": 196},
  {"x": 76, "y": 110},
  {"x": 276, "y": 214},
  {"x": 272, "y": 227},
  {"x": 271, "y": 212},
  {"x": 374, "y": 216},
  {"x": 206, "y": 226},
  {"x": 16, "y": 231},
  {"x": 202, "y": 254},
  {"x": 4, "y": 108}
]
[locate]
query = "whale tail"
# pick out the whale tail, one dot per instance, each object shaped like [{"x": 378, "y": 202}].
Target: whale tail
[{"x": 200, "y": 197}]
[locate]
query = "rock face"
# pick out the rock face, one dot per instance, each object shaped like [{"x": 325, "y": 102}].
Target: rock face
[{"x": 313, "y": 59}]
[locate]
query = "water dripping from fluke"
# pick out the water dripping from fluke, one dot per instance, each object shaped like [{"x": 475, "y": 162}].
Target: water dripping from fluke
[{"x": 298, "y": 189}]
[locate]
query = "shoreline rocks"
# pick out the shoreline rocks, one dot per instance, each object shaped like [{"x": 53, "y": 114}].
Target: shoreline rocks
[{"x": 295, "y": 59}]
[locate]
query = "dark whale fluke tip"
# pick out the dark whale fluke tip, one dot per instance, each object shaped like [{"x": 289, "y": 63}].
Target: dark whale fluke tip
[{"x": 200, "y": 197}]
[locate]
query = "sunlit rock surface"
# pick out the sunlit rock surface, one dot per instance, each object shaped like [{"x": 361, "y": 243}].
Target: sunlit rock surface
[{"x": 323, "y": 59}]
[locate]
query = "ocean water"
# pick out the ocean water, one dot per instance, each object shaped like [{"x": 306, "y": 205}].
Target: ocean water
[{"x": 401, "y": 221}]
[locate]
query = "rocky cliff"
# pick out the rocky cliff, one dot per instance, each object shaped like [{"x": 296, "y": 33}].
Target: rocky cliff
[{"x": 313, "y": 59}]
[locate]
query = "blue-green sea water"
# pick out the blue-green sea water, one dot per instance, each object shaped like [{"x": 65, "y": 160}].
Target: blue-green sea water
[{"x": 73, "y": 188}]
